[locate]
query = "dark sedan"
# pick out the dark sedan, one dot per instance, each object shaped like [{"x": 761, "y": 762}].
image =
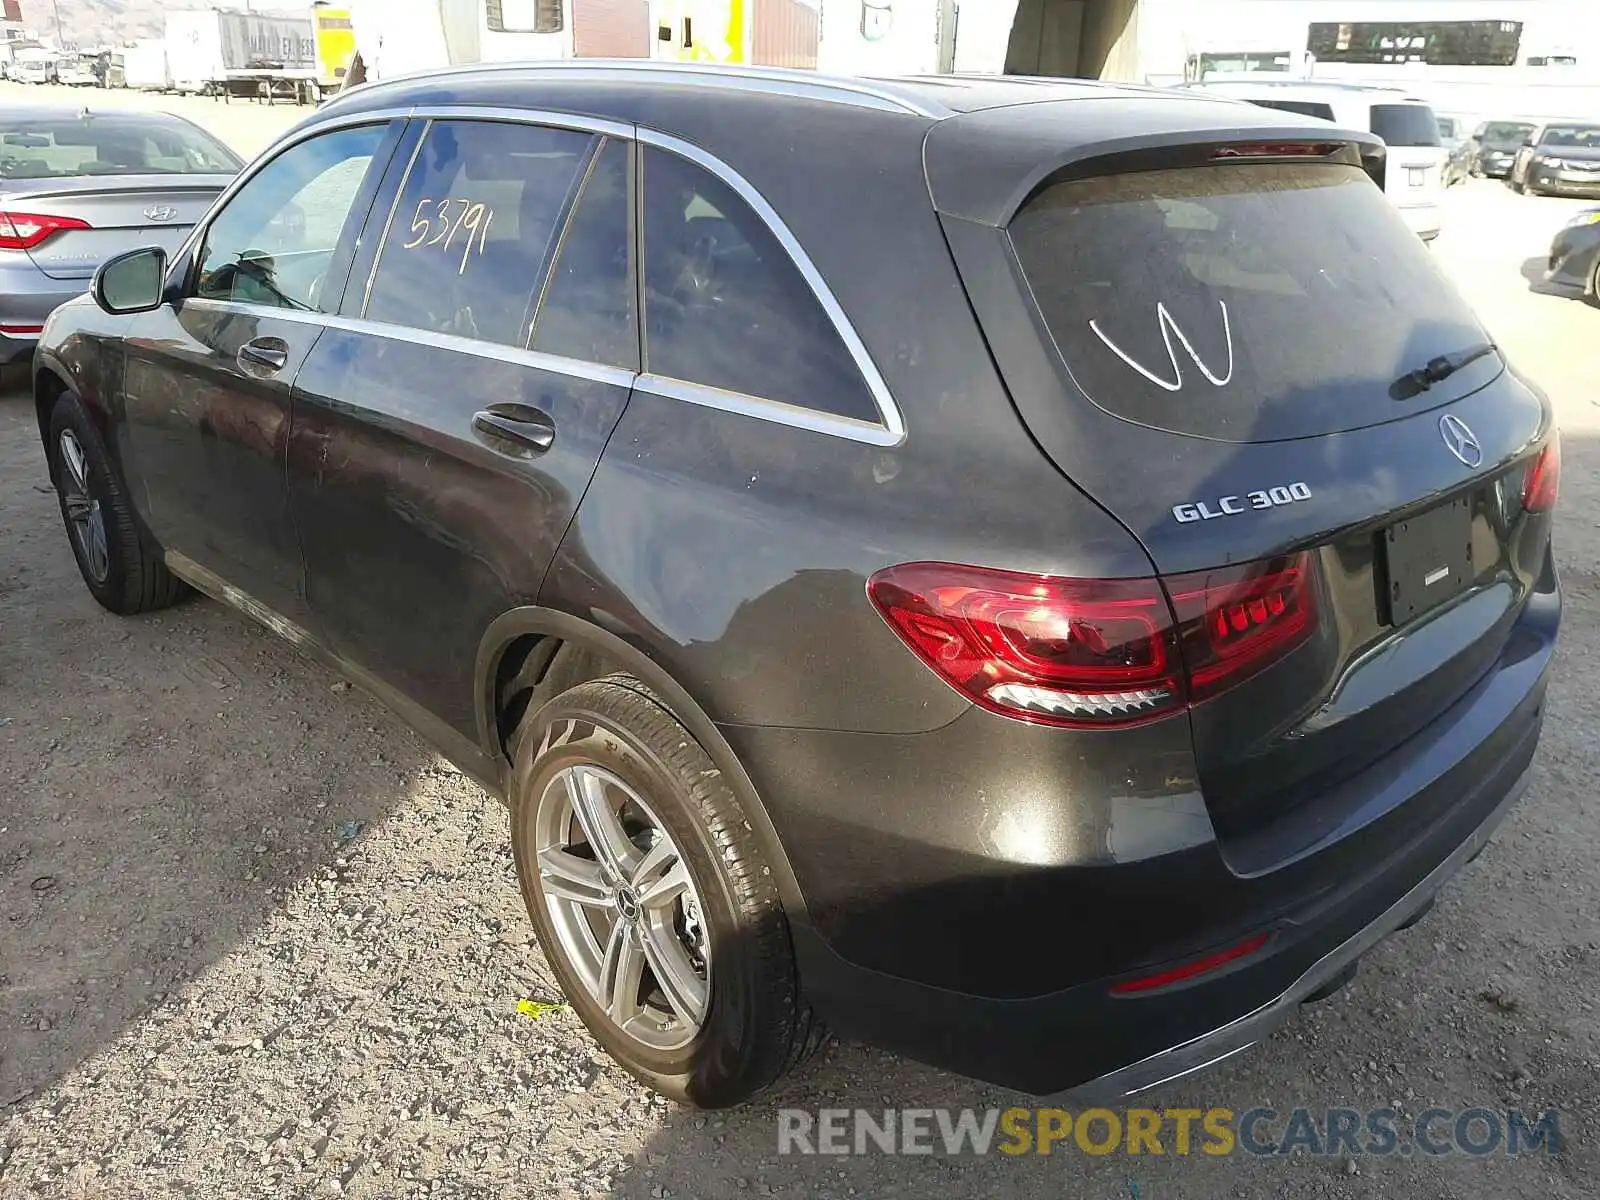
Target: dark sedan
[
  {"x": 1560, "y": 159},
  {"x": 78, "y": 186},
  {"x": 1493, "y": 147},
  {"x": 1575, "y": 256},
  {"x": 916, "y": 557}
]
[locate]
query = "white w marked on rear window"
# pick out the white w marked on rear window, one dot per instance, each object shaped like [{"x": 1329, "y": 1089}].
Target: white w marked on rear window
[{"x": 1169, "y": 327}]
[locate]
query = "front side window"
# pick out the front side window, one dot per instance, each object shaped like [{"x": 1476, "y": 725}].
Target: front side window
[
  {"x": 474, "y": 229},
  {"x": 275, "y": 240},
  {"x": 725, "y": 305}
]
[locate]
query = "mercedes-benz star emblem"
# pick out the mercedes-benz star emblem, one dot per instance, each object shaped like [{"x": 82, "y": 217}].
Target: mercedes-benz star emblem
[
  {"x": 160, "y": 212},
  {"x": 1460, "y": 439}
]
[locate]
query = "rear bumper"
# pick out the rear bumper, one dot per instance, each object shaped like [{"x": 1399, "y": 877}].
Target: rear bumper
[
  {"x": 1422, "y": 219},
  {"x": 27, "y": 298},
  {"x": 988, "y": 933}
]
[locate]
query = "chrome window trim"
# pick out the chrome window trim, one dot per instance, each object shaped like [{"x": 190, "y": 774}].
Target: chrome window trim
[
  {"x": 777, "y": 81},
  {"x": 763, "y": 409},
  {"x": 893, "y": 424},
  {"x": 573, "y": 368},
  {"x": 890, "y": 432}
]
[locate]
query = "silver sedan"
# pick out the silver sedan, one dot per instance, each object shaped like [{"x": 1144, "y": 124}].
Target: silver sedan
[{"x": 77, "y": 187}]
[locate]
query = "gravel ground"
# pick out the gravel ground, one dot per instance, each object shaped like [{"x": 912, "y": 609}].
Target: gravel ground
[{"x": 258, "y": 940}]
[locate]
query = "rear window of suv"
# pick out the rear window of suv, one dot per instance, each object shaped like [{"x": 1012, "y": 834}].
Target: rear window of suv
[
  {"x": 1405, "y": 124},
  {"x": 1192, "y": 300}
]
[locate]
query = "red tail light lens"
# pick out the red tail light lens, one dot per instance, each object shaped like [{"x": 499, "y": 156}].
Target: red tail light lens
[
  {"x": 1543, "y": 484},
  {"x": 1096, "y": 652},
  {"x": 1235, "y": 621},
  {"x": 24, "y": 231},
  {"x": 1082, "y": 652}
]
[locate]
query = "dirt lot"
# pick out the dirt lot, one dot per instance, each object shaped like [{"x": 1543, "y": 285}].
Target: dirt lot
[{"x": 257, "y": 940}]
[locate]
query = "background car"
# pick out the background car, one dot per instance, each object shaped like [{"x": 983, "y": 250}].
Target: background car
[
  {"x": 1559, "y": 158},
  {"x": 77, "y": 187},
  {"x": 1414, "y": 169},
  {"x": 1496, "y": 144},
  {"x": 1575, "y": 256}
]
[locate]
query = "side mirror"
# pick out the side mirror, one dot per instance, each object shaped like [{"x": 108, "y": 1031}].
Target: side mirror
[{"x": 134, "y": 282}]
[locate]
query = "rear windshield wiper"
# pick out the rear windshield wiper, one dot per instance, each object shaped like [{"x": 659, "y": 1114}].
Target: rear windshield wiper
[{"x": 1414, "y": 383}]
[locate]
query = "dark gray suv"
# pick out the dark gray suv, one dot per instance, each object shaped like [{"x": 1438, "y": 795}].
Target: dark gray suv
[{"x": 946, "y": 559}]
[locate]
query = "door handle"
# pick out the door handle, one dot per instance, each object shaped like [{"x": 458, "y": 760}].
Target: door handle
[
  {"x": 264, "y": 352},
  {"x": 528, "y": 429}
]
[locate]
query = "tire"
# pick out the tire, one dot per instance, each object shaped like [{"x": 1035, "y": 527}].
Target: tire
[
  {"x": 615, "y": 742},
  {"x": 117, "y": 566},
  {"x": 1511, "y": 182},
  {"x": 1594, "y": 284}
]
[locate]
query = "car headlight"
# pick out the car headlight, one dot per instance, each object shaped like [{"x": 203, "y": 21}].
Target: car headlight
[{"x": 1592, "y": 217}]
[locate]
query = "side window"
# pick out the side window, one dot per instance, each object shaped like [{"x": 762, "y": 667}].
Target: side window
[
  {"x": 588, "y": 306},
  {"x": 725, "y": 306},
  {"x": 470, "y": 238},
  {"x": 275, "y": 240}
]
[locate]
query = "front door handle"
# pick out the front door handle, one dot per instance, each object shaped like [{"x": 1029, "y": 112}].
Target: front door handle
[
  {"x": 269, "y": 353},
  {"x": 526, "y": 429}
]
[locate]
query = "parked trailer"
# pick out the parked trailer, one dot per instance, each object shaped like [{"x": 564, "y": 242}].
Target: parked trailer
[
  {"x": 145, "y": 65},
  {"x": 244, "y": 54}
]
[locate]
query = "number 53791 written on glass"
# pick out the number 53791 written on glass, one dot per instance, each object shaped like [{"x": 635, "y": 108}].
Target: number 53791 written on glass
[{"x": 440, "y": 223}]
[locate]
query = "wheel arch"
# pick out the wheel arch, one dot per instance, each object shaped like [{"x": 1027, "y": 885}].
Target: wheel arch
[{"x": 521, "y": 647}]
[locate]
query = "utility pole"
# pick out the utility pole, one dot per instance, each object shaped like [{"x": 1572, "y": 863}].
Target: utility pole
[{"x": 55, "y": 9}]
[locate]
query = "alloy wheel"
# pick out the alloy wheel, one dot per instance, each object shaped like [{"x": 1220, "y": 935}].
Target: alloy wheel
[
  {"x": 84, "y": 513},
  {"x": 623, "y": 906}
]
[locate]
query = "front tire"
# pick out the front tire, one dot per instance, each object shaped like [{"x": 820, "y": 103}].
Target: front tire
[
  {"x": 117, "y": 567},
  {"x": 651, "y": 897}
]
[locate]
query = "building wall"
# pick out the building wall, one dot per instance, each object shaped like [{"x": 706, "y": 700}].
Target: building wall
[{"x": 783, "y": 33}]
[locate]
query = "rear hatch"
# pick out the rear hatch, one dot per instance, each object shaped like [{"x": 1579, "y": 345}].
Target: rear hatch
[
  {"x": 1215, "y": 338},
  {"x": 1416, "y": 155},
  {"x": 121, "y": 212}
]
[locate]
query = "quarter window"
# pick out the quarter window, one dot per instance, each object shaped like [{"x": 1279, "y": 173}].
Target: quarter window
[
  {"x": 588, "y": 306},
  {"x": 474, "y": 228},
  {"x": 275, "y": 241},
  {"x": 725, "y": 305}
]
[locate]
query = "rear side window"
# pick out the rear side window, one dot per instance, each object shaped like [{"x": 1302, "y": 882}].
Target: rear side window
[
  {"x": 1192, "y": 300},
  {"x": 472, "y": 233},
  {"x": 725, "y": 305},
  {"x": 1306, "y": 108},
  {"x": 1405, "y": 124},
  {"x": 588, "y": 307}
]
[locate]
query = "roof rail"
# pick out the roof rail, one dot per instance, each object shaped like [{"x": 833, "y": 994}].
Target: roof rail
[{"x": 773, "y": 80}]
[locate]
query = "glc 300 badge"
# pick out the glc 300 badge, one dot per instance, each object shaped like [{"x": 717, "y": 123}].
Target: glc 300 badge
[{"x": 1232, "y": 506}]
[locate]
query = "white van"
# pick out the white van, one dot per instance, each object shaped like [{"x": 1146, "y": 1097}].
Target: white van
[{"x": 1414, "y": 178}]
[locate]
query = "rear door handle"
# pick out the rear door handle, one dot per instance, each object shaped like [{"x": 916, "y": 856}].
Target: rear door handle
[
  {"x": 269, "y": 353},
  {"x": 528, "y": 430}
]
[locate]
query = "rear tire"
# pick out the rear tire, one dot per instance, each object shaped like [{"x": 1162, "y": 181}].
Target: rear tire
[
  {"x": 1593, "y": 295},
  {"x": 607, "y": 758},
  {"x": 118, "y": 568}
]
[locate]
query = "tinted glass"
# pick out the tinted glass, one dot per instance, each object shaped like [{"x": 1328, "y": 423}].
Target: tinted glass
[
  {"x": 1582, "y": 137},
  {"x": 1306, "y": 108},
  {"x": 588, "y": 306},
  {"x": 467, "y": 250},
  {"x": 1405, "y": 124},
  {"x": 1505, "y": 133},
  {"x": 1192, "y": 299},
  {"x": 726, "y": 307},
  {"x": 276, "y": 238},
  {"x": 107, "y": 144}
]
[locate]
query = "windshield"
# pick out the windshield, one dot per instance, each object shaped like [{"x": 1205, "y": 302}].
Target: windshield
[
  {"x": 1405, "y": 124},
  {"x": 1505, "y": 133},
  {"x": 1584, "y": 137},
  {"x": 108, "y": 145},
  {"x": 1192, "y": 299}
]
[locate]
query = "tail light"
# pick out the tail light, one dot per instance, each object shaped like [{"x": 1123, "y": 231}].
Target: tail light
[
  {"x": 1235, "y": 621},
  {"x": 24, "y": 231},
  {"x": 1277, "y": 150},
  {"x": 1093, "y": 653},
  {"x": 1543, "y": 483}
]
